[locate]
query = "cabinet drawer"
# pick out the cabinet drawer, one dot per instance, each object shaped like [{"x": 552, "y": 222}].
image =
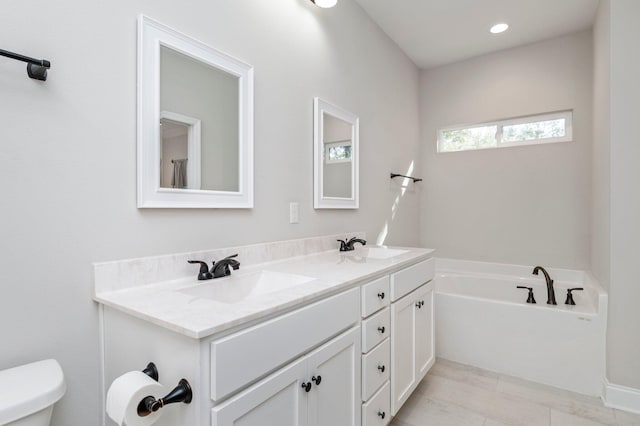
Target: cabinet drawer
[
  {"x": 375, "y": 368},
  {"x": 375, "y": 296},
  {"x": 376, "y": 412},
  {"x": 375, "y": 329},
  {"x": 405, "y": 281},
  {"x": 243, "y": 357}
]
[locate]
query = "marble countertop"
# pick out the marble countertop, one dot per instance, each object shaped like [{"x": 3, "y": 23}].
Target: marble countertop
[{"x": 203, "y": 308}]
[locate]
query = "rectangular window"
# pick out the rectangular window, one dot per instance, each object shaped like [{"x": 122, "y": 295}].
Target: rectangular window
[
  {"x": 337, "y": 152},
  {"x": 530, "y": 130}
]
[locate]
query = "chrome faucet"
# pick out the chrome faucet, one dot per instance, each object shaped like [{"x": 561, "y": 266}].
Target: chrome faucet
[
  {"x": 221, "y": 268},
  {"x": 348, "y": 245},
  {"x": 551, "y": 295}
]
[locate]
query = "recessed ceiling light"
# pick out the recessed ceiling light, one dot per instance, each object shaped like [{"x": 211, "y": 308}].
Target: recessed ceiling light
[
  {"x": 324, "y": 3},
  {"x": 499, "y": 28}
]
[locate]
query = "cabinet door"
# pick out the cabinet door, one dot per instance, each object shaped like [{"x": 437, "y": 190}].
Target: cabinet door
[
  {"x": 335, "y": 371},
  {"x": 403, "y": 350},
  {"x": 425, "y": 354},
  {"x": 277, "y": 400}
]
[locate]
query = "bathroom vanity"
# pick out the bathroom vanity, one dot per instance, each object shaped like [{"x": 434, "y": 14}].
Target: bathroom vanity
[{"x": 322, "y": 338}]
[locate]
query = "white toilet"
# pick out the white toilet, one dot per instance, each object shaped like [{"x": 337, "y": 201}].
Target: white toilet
[{"x": 28, "y": 392}]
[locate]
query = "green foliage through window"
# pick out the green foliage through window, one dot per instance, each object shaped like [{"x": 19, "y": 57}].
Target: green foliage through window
[
  {"x": 543, "y": 128},
  {"x": 531, "y": 131},
  {"x": 340, "y": 152},
  {"x": 470, "y": 138}
]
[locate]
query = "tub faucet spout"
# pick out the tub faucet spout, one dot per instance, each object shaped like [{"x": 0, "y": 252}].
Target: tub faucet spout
[{"x": 551, "y": 295}]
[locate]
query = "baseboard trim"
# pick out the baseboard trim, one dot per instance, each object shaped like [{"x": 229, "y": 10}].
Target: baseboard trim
[{"x": 621, "y": 397}]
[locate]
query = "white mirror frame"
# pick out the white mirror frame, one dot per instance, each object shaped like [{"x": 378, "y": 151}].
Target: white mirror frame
[
  {"x": 152, "y": 35},
  {"x": 320, "y": 107}
]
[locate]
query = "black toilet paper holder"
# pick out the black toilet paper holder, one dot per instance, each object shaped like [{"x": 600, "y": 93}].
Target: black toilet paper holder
[{"x": 181, "y": 393}]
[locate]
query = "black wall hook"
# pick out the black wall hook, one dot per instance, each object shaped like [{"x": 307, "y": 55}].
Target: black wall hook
[{"x": 36, "y": 68}]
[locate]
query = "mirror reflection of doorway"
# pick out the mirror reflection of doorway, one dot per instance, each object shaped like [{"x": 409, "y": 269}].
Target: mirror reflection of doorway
[
  {"x": 175, "y": 153},
  {"x": 180, "y": 151}
]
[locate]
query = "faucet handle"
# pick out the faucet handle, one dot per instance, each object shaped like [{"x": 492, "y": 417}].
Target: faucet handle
[
  {"x": 570, "y": 300},
  {"x": 221, "y": 269},
  {"x": 234, "y": 263},
  {"x": 530, "y": 298},
  {"x": 343, "y": 245},
  {"x": 204, "y": 273}
]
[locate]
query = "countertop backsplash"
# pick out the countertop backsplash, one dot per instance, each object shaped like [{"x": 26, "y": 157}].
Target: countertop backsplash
[{"x": 129, "y": 273}]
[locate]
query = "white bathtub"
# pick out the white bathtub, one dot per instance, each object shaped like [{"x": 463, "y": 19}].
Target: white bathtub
[{"x": 482, "y": 320}]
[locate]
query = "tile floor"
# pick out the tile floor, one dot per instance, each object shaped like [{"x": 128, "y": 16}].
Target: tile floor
[{"x": 457, "y": 395}]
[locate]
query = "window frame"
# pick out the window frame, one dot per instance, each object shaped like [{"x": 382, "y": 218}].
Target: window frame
[{"x": 567, "y": 115}]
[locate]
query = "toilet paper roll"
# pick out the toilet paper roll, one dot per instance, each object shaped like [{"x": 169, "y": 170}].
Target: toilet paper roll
[{"x": 124, "y": 395}]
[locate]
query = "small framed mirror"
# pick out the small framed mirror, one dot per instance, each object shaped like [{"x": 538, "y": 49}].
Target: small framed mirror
[
  {"x": 335, "y": 152},
  {"x": 195, "y": 123}
]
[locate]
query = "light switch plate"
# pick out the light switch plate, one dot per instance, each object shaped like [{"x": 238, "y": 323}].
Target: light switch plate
[{"x": 293, "y": 213}]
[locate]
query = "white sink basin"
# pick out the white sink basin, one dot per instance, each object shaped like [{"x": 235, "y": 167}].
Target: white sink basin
[
  {"x": 378, "y": 252},
  {"x": 239, "y": 288}
]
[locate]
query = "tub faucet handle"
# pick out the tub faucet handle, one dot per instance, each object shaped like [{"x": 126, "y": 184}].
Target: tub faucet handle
[
  {"x": 530, "y": 298},
  {"x": 570, "y": 300}
]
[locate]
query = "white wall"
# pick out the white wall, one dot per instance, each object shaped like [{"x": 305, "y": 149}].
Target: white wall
[
  {"x": 69, "y": 153},
  {"x": 601, "y": 170},
  {"x": 525, "y": 205},
  {"x": 623, "y": 339}
]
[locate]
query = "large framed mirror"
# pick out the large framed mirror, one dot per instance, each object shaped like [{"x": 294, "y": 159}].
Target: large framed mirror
[
  {"x": 335, "y": 152},
  {"x": 195, "y": 123}
]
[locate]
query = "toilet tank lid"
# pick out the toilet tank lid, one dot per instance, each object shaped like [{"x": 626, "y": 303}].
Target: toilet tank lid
[{"x": 29, "y": 388}]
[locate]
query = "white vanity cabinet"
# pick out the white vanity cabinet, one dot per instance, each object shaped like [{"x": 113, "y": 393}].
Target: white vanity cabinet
[
  {"x": 320, "y": 389},
  {"x": 376, "y": 352},
  {"x": 255, "y": 375},
  {"x": 412, "y": 330},
  {"x": 361, "y": 377},
  {"x": 328, "y": 356},
  {"x": 238, "y": 359}
]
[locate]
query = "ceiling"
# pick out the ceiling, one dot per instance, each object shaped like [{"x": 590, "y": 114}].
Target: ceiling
[{"x": 438, "y": 32}]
